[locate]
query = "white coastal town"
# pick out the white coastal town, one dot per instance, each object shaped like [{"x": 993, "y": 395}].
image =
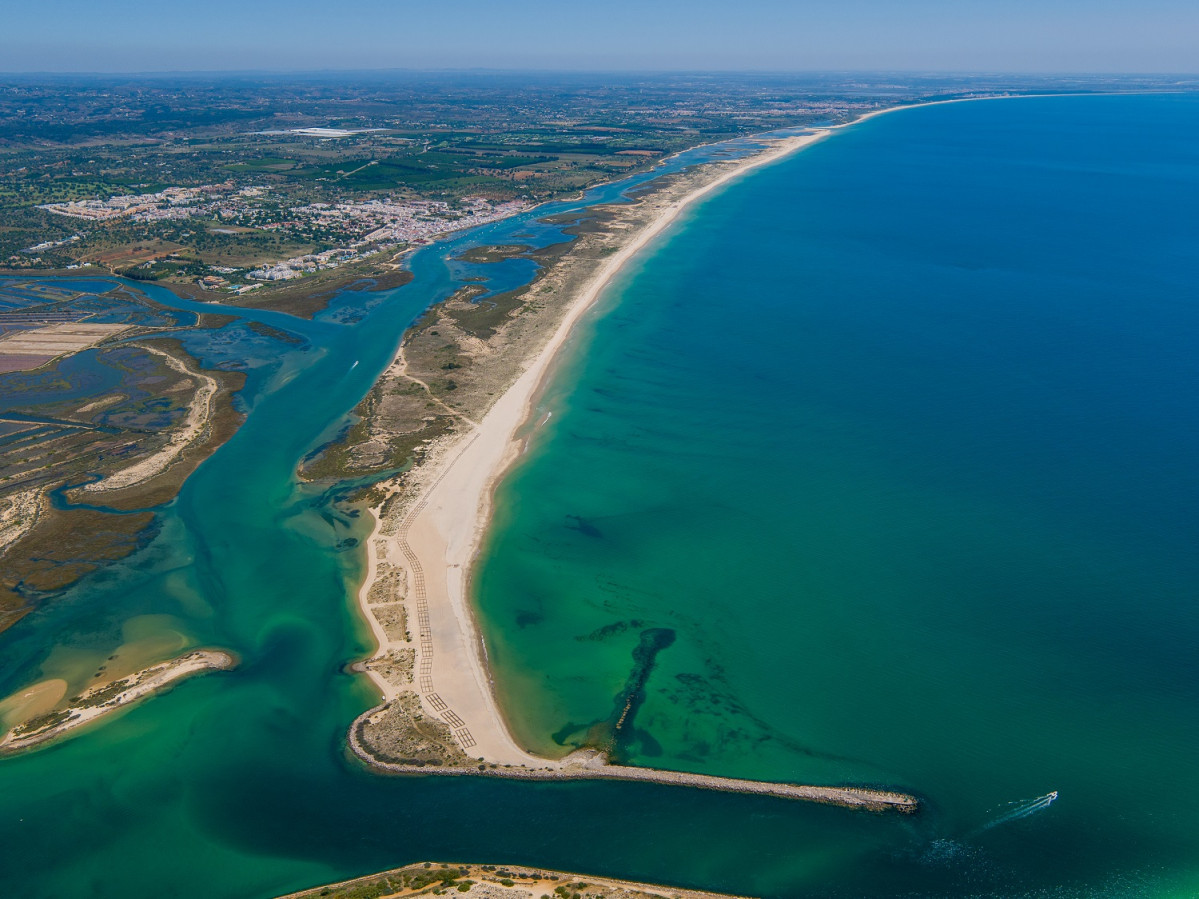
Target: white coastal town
[{"x": 357, "y": 230}]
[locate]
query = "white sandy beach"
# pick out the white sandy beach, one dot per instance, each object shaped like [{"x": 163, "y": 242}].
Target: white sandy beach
[{"x": 442, "y": 531}]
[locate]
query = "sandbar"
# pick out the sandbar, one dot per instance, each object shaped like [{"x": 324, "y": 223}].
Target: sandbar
[{"x": 105, "y": 699}]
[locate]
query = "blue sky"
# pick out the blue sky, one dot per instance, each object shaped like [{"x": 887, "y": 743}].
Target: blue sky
[{"x": 801, "y": 35}]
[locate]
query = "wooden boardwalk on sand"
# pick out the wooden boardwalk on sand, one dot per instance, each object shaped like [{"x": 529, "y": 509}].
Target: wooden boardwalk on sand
[{"x": 424, "y": 634}]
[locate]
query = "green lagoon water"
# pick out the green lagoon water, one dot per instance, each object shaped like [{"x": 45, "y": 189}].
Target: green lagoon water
[{"x": 891, "y": 445}]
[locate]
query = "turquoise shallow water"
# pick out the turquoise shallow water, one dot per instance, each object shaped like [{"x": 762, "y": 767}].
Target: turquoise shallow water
[{"x": 895, "y": 437}]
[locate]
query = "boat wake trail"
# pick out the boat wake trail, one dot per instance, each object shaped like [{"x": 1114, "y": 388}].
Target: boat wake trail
[
  {"x": 962, "y": 851},
  {"x": 1022, "y": 808}
]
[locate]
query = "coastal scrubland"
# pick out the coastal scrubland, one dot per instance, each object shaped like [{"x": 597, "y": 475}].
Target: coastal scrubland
[{"x": 493, "y": 882}]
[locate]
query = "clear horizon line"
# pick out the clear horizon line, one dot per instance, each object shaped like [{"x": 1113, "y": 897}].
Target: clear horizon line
[{"x": 535, "y": 70}]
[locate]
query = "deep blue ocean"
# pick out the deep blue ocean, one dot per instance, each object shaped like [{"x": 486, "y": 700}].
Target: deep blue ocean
[{"x": 900, "y": 438}]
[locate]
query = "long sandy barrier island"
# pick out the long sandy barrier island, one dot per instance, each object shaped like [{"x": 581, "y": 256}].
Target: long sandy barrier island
[{"x": 431, "y": 666}]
